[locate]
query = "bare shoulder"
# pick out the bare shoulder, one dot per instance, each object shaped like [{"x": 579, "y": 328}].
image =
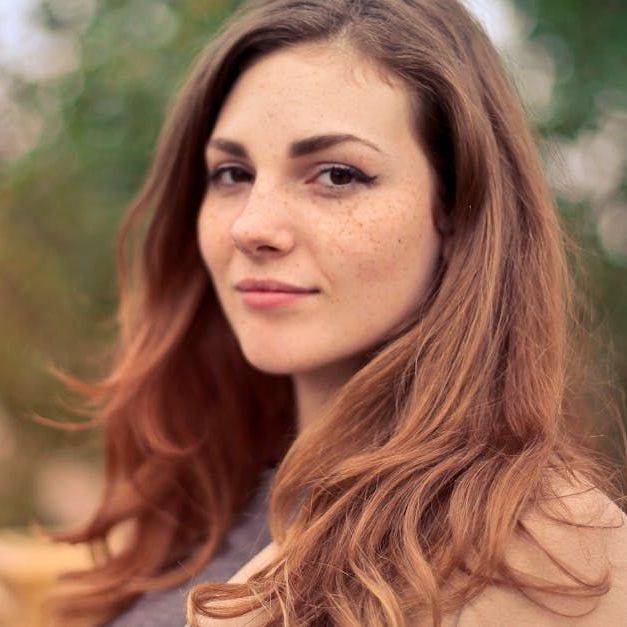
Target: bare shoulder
[
  {"x": 252, "y": 619},
  {"x": 591, "y": 547}
]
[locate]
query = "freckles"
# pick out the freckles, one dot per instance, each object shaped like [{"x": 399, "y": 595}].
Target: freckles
[
  {"x": 375, "y": 243},
  {"x": 339, "y": 236}
]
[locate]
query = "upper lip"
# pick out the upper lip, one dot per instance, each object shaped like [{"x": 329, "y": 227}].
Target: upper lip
[{"x": 269, "y": 285}]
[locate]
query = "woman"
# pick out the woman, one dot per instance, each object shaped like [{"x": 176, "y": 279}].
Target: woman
[{"x": 352, "y": 272}]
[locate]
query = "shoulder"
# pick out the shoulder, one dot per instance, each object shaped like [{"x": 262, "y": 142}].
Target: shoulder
[
  {"x": 256, "y": 618},
  {"x": 591, "y": 547}
]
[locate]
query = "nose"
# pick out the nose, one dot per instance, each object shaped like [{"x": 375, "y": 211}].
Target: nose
[{"x": 262, "y": 228}]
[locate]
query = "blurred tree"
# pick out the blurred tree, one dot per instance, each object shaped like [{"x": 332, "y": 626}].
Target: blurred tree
[
  {"x": 60, "y": 203},
  {"x": 587, "y": 122},
  {"x": 59, "y": 210}
]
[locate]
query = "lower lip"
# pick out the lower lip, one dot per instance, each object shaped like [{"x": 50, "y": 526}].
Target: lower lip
[{"x": 272, "y": 300}]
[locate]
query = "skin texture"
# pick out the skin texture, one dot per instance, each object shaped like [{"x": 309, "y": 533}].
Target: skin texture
[{"x": 369, "y": 250}]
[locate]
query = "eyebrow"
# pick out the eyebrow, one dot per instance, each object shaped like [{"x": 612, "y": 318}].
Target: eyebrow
[{"x": 298, "y": 148}]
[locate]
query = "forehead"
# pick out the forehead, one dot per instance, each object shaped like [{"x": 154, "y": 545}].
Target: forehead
[{"x": 309, "y": 88}]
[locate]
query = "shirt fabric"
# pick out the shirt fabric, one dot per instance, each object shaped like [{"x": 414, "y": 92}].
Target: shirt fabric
[{"x": 250, "y": 534}]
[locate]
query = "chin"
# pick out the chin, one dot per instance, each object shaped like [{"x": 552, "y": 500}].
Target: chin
[
  {"x": 280, "y": 362},
  {"x": 275, "y": 361},
  {"x": 275, "y": 365}
]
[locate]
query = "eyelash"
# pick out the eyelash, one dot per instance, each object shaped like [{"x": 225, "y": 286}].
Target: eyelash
[{"x": 360, "y": 177}]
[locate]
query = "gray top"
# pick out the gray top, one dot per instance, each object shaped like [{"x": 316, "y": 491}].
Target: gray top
[{"x": 166, "y": 608}]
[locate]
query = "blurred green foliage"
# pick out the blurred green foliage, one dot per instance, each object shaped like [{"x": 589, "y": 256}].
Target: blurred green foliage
[
  {"x": 59, "y": 210},
  {"x": 60, "y": 205},
  {"x": 590, "y": 45}
]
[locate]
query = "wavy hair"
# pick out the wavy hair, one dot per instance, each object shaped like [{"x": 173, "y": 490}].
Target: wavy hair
[{"x": 430, "y": 455}]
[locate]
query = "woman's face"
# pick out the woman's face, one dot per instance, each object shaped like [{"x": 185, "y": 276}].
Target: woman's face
[{"x": 296, "y": 198}]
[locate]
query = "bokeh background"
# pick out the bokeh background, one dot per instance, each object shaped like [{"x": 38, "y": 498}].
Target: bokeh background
[{"x": 83, "y": 90}]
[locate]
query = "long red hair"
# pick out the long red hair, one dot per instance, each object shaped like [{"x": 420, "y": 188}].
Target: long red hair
[{"x": 430, "y": 454}]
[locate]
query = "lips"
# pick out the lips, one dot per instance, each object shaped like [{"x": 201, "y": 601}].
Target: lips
[
  {"x": 268, "y": 294},
  {"x": 268, "y": 285}
]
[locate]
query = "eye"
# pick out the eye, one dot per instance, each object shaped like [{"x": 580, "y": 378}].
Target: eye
[
  {"x": 345, "y": 177},
  {"x": 340, "y": 177},
  {"x": 237, "y": 175}
]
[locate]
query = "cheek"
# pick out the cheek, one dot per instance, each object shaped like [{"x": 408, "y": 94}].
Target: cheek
[
  {"x": 213, "y": 241},
  {"x": 387, "y": 245}
]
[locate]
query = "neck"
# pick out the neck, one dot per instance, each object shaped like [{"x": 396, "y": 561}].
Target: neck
[{"x": 315, "y": 390}]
